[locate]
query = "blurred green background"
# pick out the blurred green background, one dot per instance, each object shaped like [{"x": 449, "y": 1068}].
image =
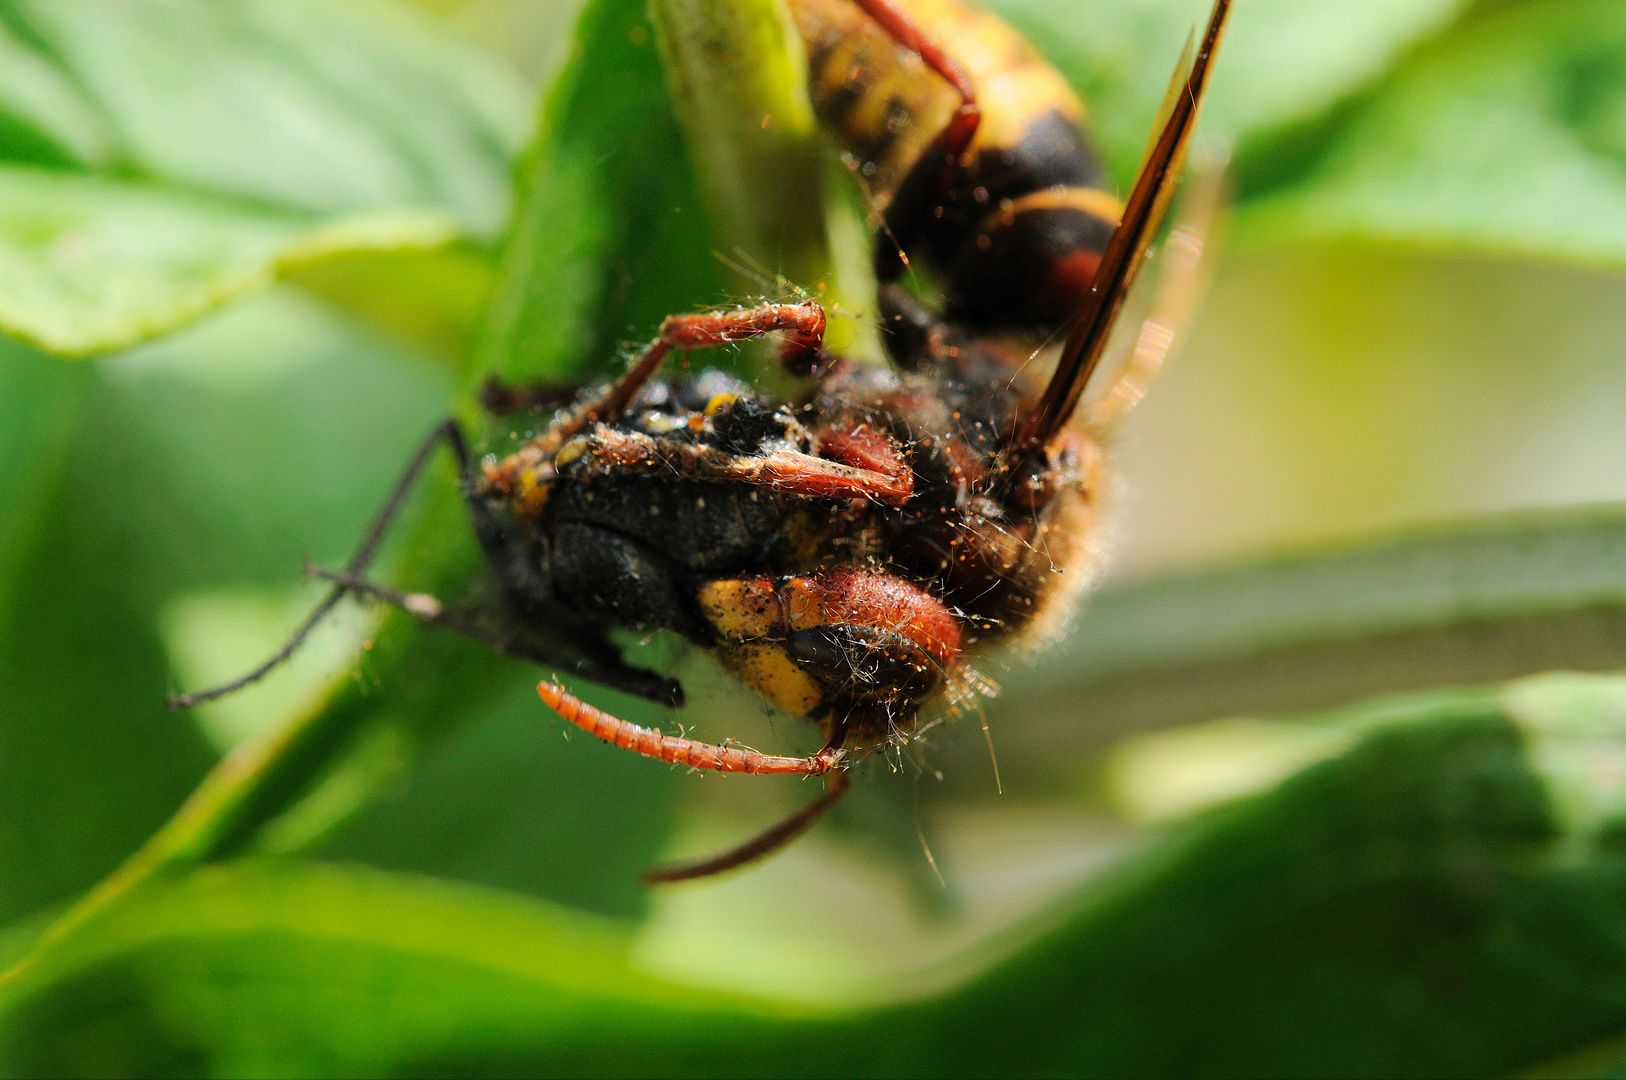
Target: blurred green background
[{"x": 1329, "y": 778}]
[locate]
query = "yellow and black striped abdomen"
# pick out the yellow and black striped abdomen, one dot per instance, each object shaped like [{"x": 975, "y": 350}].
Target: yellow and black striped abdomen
[{"x": 1019, "y": 233}]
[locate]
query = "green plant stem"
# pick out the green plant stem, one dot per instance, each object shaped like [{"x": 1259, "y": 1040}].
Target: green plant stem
[{"x": 738, "y": 85}]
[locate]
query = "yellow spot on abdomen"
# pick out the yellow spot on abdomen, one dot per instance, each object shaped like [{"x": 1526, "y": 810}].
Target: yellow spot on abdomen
[
  {"x": 741, "y": 609},
  {"x": 769, "y": 670}
]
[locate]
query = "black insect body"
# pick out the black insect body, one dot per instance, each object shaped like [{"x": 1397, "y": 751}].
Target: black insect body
[
  {"x": 838, "y": 552},
  {"x": 973, "y": 150}
]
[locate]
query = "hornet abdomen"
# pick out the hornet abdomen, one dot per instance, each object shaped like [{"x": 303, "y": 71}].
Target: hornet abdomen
[{"x": 1017, "y": 236}]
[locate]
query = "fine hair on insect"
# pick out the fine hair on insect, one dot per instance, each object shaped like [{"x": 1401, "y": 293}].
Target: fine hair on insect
[{"x": 846, "y": 547}]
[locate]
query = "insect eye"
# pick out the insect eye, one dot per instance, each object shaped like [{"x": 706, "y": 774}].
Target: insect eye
[
  {"x": 818, "y": 648},
  {"x": 864, "y": 663}
]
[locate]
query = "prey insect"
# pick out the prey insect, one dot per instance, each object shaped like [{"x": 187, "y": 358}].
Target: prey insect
[{"x": 842, "y": 553}]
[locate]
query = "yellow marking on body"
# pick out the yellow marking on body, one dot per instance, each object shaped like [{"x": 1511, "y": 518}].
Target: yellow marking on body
[
  {"x": 661, "y": 423},
  {"x": 804, "y": 536},
  {"x": 1092, "y": 201},
  {"x": 1013, "y": 99},
  {"x": 1013, "y": 83},
  {"x": 741, "y": 609},
  {"x": 769, "y": 670},
  {"x": 529, "y": 495},
  {"x": 570, "y": 451},
  {"x": 720, "y": 402},
  {"x": 804, "y": 607}
]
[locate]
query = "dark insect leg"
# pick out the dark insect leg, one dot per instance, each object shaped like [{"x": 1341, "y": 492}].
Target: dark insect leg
[
  {"x": 509, "y": 560},
  {"x": 500, "y": 398},
  {"x": 769, "y": 840},
  {"x": 763, "y": 844},
  {"x": 606, "y": 668},
  {"x": 357, "y": 565},
  {"x": 1143, "y": 213},
  {"x": 912, "y": 330},
  {"x": 930, "y": 179}
]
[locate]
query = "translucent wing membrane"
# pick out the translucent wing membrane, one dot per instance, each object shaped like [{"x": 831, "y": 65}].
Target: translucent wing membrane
[
  {"x": 1181, "y": 267},
  {"x": 1148, "y": 202}
]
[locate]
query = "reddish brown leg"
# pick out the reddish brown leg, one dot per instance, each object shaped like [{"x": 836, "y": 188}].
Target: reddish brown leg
[
  {"x": 803, "y": 324},
  {"x": 784, "y": 471},
  {"x": 699, "y": 755},
  {"x": 663, "y": 747},
  {"x": 906, "y": 33},
  {"x": 769, "y": 840},
  {"x": 763, "y": 844},
  {"x": 804, "y": 327}
]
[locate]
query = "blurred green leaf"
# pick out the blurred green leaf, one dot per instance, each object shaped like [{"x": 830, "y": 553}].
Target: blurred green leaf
[
  {"x": 1420, "y": 903},
  {"x": 1507, "y": 135},
  {"x": 613, "y": 80},
  {"x": 1604, "y": 1060},
  {"x": 138, "y": 480},
  {"x": 39, "y": 407},
  {"x": 90, "y": 263},
  {"x": 611, "y": 234},
  {"x": 164, "y": 157},
  {"x": 508, "y": 799},
  {"x": 301, "y": 105},
  {"x": 1476, "y": 601},
  {"x": 432, "y": 300},
  {"x": 1283, "y": 63}
]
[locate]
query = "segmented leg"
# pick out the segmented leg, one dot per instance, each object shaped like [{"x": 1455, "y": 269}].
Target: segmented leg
[
  {"x": 803, "y": 325},
  {"x": 764, "y": 843},
  {"x": 679, "y": 751},
  {"x": 605, "y": 669},
  {"x": 611, "y": 451},
  {"x": 447, "y": 430}
]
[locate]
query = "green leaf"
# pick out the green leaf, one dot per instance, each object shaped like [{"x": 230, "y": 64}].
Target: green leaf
[
  {"x": 1282, "y": 64},
  {"x": 39, "y": 407},
  {"x": 197, "y": 150},
  {"x": 1502, "y": 137},
  {"x": 1419, "y": 903},
  {"x": 739, "y": 86},
  {"x": 90, "y": 263},
  {"x": 433, "y": 300},
  {"x": 611, "y": 235},
  {"x": 320, "y": 751},
  {"x": 1491, "y": 599},
  {"x": 298, "y": 105},
  {"x": 508, "y": 799},
  {"x": 159, "y": 475}
]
